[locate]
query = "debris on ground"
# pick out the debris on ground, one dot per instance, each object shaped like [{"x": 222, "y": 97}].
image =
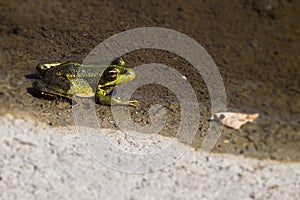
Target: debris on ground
[{"x": 233, "y": 119}]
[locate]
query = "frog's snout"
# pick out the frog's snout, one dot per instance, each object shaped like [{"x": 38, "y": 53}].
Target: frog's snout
[{"x": 131, "y": 73}]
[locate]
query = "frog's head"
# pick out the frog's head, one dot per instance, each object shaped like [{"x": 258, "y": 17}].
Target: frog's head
[{"x": 116, "y": 75}]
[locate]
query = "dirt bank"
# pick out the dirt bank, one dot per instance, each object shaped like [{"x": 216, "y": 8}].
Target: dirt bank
[{"x": 254, "y": 44}]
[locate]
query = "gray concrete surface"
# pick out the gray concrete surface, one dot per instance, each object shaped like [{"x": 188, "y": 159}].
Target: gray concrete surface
[{"x": 42, "y": 162}]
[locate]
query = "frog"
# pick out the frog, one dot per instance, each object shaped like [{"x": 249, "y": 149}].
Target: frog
[{"x": 69, "y": 79}]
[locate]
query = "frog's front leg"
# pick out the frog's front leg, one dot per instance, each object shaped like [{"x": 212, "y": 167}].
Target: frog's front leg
[{"x": 105, "y": 99}]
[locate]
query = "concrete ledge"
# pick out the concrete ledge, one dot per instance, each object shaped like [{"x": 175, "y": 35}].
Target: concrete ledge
[{"x": 42, "y": 162}]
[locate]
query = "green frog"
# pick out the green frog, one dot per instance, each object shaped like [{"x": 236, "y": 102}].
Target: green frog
[{"x": 67, "y": 79}]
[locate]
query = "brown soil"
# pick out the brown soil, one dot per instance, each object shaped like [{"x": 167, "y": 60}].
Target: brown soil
[{"x": 255, "y": 44}]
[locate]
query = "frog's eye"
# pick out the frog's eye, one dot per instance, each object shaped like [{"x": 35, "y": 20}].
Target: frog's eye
[{"x": 113, "y": 73}]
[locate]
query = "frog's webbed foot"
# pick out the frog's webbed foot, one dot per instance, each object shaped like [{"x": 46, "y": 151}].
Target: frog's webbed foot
[
  {"x": 133, "y": 103},
  {"x": 111, "y": 100},
  {"x": 115, "y": 101}
]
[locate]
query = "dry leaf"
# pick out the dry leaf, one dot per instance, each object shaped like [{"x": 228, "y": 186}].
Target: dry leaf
[{"x": 235, "y": 120}]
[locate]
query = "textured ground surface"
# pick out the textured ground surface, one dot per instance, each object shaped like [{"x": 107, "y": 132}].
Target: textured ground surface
[
  {"x": 41, "y": 162},
  {"x": 254, "y": 44}
]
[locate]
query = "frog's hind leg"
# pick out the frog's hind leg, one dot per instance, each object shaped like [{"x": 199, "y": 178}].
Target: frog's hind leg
[
  {"x": 42, "y": 67},
  {"x": 41, "y": 88}
]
